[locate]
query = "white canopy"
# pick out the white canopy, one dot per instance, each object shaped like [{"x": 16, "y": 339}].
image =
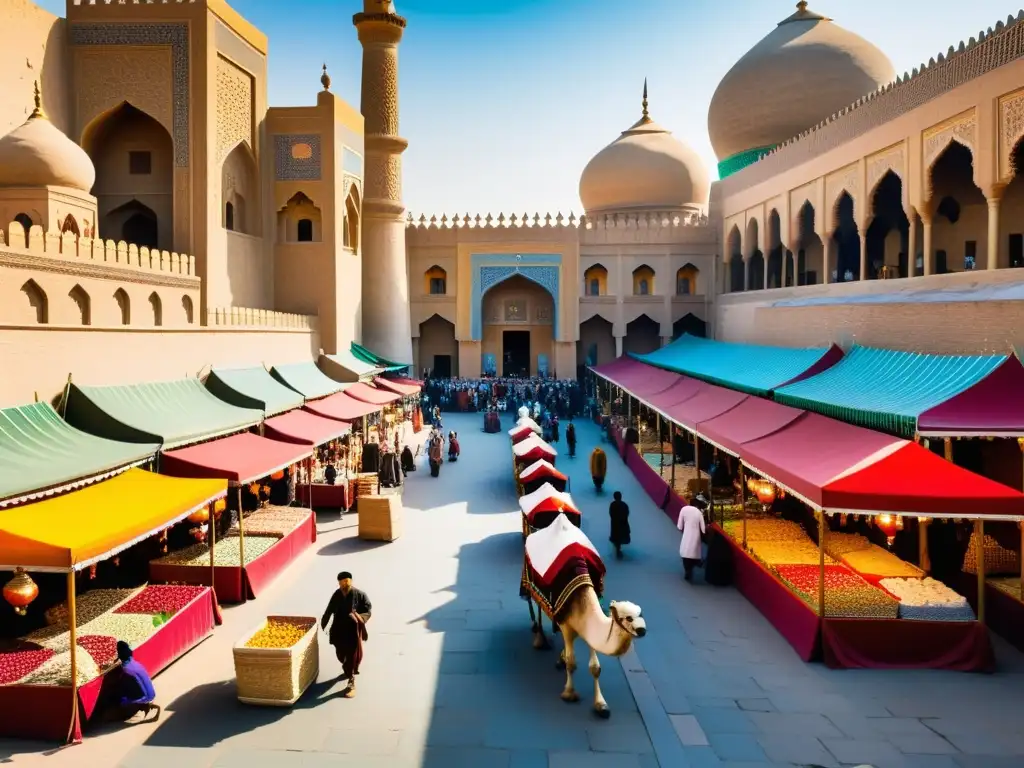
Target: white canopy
[
  {"x": 537, "y": 466},
  {"x": 532, "y": 443},
  {"x": 519, "y": 429},
  {"x": 526, "y": 421},
  {"x": 544, "y": 546},
  {"x": 531, "y": 501}
]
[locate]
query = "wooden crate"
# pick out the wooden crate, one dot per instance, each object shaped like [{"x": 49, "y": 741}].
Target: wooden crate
[
  {"x": 380, "y": 517},
  {"x": 277, "y": 677}
]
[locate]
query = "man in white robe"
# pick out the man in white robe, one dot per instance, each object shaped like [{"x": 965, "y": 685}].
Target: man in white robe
[{"x": 691, "y": 547}]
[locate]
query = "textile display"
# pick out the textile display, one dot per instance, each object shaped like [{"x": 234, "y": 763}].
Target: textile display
[{"x": 547, "y": 499}]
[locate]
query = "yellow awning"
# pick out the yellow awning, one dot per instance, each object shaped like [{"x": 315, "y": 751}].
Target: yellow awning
[{"x": 78, "y": 529}]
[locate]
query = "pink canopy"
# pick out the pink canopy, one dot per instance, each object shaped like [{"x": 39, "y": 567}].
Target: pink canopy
[
  {"x": 993, "y": 407},
  {"x": 369, "y": 394},
  {"x": 682, "y": 390},
  {"x": 239, "y": 459},
  {"x": 615, "y": 368},
  {"x": 641, "y": 380},
  {"x": 752, "y": 419},
  {"x": 708, "y": 403},
  {"x": 341, "y": 407},
  {"x": 305, "y": 428},
  {"x": 405, "y": 388}
]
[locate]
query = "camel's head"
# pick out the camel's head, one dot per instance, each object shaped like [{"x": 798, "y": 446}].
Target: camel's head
[{"x": 627, "y": 616}]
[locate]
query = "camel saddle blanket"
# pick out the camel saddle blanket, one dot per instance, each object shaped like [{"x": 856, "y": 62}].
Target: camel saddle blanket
[
  {"x": 550, "y": 550},
  {"x": 518, "y": 434},
  {"x": 578, "y": 572},
  {"x": 526, "y": 421},
  {"x": 547, "y": 498},
  {"x": 534, "y": 448},
  {"x": 543, "y": 470}
]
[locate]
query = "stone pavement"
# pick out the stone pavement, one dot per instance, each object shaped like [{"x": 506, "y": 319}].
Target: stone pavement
[{"x": 450, "y": 678}]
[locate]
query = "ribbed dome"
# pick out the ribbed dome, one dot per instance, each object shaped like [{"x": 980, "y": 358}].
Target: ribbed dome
[
  {"x": 799, "y": 74},
  {"x": 646, "y": 168},
  {"x": 38, "y": 154}
]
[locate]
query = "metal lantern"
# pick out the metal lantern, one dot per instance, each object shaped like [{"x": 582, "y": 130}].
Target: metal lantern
[
  {"x": 219, "y": 506},
  {"x": 889, "y": 525},
  {"x": 279, "y": 475},
  {"x": 20, "y": 591},
  {"x": 200, "y": 516},
  {"x": 765, "y": 492}
]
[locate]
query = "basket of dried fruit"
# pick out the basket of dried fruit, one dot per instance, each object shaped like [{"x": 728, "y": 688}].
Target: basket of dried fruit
[{"x": 277, "y": 661}]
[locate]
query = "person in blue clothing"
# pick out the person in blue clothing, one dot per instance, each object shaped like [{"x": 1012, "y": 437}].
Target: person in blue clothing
[{"x": 135, "y": 692}]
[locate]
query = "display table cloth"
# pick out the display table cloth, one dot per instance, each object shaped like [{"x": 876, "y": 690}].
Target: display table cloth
[
  {"x": 44, "y": 711},
  {"x": 324, "y": 496},
  {"x": 234, "y": 584},
  {"x": 649, "y": 479}
]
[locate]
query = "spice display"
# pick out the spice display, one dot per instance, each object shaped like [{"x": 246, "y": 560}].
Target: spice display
[
  {"x": 272, "y": 521},
  {"x": 847, "y": 595},
  {"x": 876, "y": 561},
  {"x": 161, "y": 598},
  {"x": 102, "y": 648},
  {"x": 280, "y": 633},
  {"x": 225, "y": 553},
  {"x": 57, "y": 670},
  {"x": 765, "y": 529},
  {"x": 130, "y": 627},
  {"x": 800, "y": 552},
  {"x": 1009, "y": 585},
  {"x": 998, "y": 559},
  {"x": 839, "y": 544},
  {"x": 928, "y": 599},
  {"x": 22, "y": 660},
  {"x": 90, "y": 605}
]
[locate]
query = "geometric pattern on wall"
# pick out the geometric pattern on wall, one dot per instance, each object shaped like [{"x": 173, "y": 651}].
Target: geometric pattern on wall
[
  {"x": 287, "y": 167},
  {"x": 544, "y": 269},
  {"x": 173, "y": 35}
]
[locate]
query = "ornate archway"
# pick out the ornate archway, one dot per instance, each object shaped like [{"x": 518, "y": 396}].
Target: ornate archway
[{"x": 488, "y": 270}]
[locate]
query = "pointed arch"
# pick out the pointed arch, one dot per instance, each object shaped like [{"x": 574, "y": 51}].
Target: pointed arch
[
  {"x": 186, "y": 305},
  {"x": 435, "y": 281},
  {"x": 353, "y": 212},
  {"x": 38, "y": 304},
  {"x": 240, "y": 190},
  {"x": 82, "y": 303},
  {"x": 70, "y": 225},
  {"x": 643, "y": 281},
  {"x": 299, "y": 220},
  {"x": 124, "y": 306},
  {"x": 686, "y": 280},
  {"x": 157, "y": 308},
  {"x": 595, "y": 280}
]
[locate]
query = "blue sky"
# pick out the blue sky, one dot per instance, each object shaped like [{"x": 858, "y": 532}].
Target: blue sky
[{"x": 504, "y": 101}]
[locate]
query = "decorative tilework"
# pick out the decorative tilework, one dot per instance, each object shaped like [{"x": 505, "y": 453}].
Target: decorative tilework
[
  {"x": 352, "y": 162},
  {"x": 289, "y": 168},
  {"x": 174, "y": 35},
  {"x": 488, "y": 270}
]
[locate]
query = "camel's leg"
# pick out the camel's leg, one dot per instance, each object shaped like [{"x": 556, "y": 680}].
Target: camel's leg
[
  {"x": 533, "y": 624},
  {"x": 540, "y": 638},
  {"x": 600, "y": 705},
  {"x": 569, "y": 654}
]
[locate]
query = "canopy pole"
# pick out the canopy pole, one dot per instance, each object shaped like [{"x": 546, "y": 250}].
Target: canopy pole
[
  {"x": 822, "y": 528},
  {"x": 979, "y": 545},
  {"x": 672, "y": 441},
  {"x": 947, "y": 447},
  {"x": 661, "y": 448},
  {"x": 923, "y": 559},
  {"x": 309, "y": 481},
  {"x": 73, "y": 627},
  {"x": 241, "y": 548},
  {"x": 696, "y": 462},
  {"x": 213, "y": 545},
  {"x": 743, "y": 504}
]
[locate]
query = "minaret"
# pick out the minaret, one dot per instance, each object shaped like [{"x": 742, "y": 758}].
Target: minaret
[{"x": 386, "y": 323}]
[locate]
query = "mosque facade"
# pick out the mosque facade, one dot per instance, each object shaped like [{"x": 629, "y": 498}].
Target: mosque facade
[{"x": 157, "y": 216}]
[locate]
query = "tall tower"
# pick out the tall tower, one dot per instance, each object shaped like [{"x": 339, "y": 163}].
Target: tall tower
[{"x": 386, "y": 324}]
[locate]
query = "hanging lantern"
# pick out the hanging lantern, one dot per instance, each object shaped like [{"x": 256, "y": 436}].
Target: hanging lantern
[
  {"x": 20, "y": 591},
  {"x": 92, "y": 571},
  {"x": 888, "y": 525},
  {"x": 752, "y": 484},
  {"x": 254, "y": 489},
  {"x": 765, "y": 492},
  {"x": 1020, "y": 443},
  {"x": 279, "y": 475},
  {"x": 199, "y": 516},
  {"x": 219, "y": 506},
  {"x": 117, "y": 561}
]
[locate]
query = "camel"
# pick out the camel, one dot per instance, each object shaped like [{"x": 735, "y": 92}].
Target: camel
[{"x": 609, "y": 635}]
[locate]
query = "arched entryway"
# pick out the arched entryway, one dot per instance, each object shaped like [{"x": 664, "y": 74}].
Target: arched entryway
[
  {"x": 734, "y": 248},
  {"x": 597, "y": 342},
  {"x": 691, "y": 324},
  {"x": 846, "y": 239},
  {"x": 959, "y": 212},
  {"x": 810, "y": 251},
  {"x": 518, "y": 328},
  {"x": 1011, "y": 215},
  {"x": 642, "y": 336},
  {"x": 438, "y": 349},
  {"x": 889, "y": 230},
  {"x": 755, "y": 258}
]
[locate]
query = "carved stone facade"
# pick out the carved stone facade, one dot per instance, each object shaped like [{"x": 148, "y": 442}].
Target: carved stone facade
[
  {"x": 962, "y": 129},
  {"x": 234, "y": 107},
  {"x": 1011, "y": 130},
  {"x": 297, "y": 157}
]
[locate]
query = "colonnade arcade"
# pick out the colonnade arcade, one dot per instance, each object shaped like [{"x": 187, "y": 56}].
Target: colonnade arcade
[{"x": 959, "y": 228}]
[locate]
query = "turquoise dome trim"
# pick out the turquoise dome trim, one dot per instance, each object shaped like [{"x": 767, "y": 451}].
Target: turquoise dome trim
[{"x": 741, "y": 160}]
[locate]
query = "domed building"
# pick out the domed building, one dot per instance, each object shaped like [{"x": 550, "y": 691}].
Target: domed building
[{"x": 801, "y": 72}]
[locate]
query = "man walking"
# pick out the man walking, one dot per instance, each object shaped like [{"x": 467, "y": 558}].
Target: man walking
[
  {"x": 618, "y": 511},
  {"x": 350, "y": 609},
  {"x": 691, "y": 549}
]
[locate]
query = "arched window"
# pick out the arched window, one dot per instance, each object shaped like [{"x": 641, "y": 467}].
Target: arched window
[
  {"x": 351, "y": 234},
  {"x": 186, "y": 304},
  {"x": 229, "y": 216},
  {"x": 83, "y": 304},
  {"x": 304, "y": 229},
  {"x": 140, "y": 228},
  {"x": 686, "y": 280},
  {"x": 158, "y": 309},
  {"x": 36, "y": 301},
  {"x": 26, "y": 222},
  {"x": 70, "y": 225},
  {"x": 124, "y": 306},
  {"x": 643, "y": 287},
  {"x": 436, "y": 281},
  {"x": 643, "y": 281},
  {"x": 595, "y": 281}
]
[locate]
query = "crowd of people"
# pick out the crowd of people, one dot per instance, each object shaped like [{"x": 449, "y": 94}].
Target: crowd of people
[{"x": 560, "y": 397}]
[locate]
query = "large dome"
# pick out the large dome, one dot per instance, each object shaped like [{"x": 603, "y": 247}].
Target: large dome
[
  {"x": 646, "y": 168},
  {"x": 38, "y": 154},
  {"x": 803, "y": 71}
]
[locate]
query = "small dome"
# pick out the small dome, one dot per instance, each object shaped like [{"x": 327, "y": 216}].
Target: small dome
[
  {"x": 803, "y": 71},
  {"x": 646, "y": 168},
  {"x": 38, "y": 154}
]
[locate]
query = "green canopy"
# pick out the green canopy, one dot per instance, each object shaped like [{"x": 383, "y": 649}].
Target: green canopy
[
  {"x": 306, "y": 379},
  {"x": 750, "y": 368},
  {"x": 174, "y": 413},
  {"x": 885, "y": 389},
  {"x": 40, "y": 453},
  {"x": 345, "y": 366},
  {"x": 387, "y": 366},
  {"x": 253, "y": 388}
]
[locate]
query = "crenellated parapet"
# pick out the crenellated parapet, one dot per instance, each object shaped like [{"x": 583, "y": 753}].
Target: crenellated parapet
[
  {"x": 53, "y": 251},
  {"x": 247, "y": 317},
  {"x": 642, "y": 220},
  {"x": 991, "y": 49},
  {"x": 134, "y": 2}
]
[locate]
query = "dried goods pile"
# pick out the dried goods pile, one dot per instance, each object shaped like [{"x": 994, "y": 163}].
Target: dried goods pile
[
  {"x": 272, "y": 521},
  {"x": 225, "y": 552},
  {"x": 1009, "y": 585},
  {"x": 21, "y": 660},
  {"x": 799, "y": 552},
  {"x": 133, "y": 628},
  {"x": 847, "y": 595},
  {"x": 57, "y": 670},
  {"x": 280, "y": 632},
  {"x": 840, "y": 544},
  {"x": 929, "y": 600},
  {"x": 876, "y": 561},
  {"x": 161, "y": 598},
  {"x": 90, "y": 605},
  {"x": 765, "y": 529}
]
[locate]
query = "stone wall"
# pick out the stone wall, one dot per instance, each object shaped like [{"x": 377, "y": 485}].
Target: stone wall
[{"x": 33, "y": 49}]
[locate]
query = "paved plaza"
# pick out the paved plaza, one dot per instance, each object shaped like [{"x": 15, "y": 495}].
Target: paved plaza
[{"x": 450, "y": 678}]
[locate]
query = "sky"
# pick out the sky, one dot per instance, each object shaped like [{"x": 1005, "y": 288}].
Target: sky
[{"x": 504, "y": 102}]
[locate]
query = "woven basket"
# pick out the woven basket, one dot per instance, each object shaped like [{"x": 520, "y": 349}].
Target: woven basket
[
  {"x": 277, "y": 677},
  {"x": 998, "y": 559}
]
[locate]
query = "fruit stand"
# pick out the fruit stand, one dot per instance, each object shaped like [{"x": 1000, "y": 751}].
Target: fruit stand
[
  {"x": 277, "y": 661},
  {"x": 52, "y": 679}
]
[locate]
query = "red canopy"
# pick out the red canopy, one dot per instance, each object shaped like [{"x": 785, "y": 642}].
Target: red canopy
[
  {"x": 682, "y": 390},
  {"x": 641, "y": 379},
  {"x": 304, "y": 428},
  {"x": 518, "y": 434},
  {"x": 615, "y": 368},
  {"x": 708, "y": 403},
  {"x": 914, "y": 480},
  {"x": 369, "y": 394},
  {"x": 993, "y": 407},
  {"x": 752, "y": 419},
  {"x": 239, "y": 459},
  {"x": 341, "y": 407},
  {"x": 405, "y": 388}
]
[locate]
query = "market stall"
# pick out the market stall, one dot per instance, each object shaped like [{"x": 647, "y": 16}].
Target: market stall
[
  {"x": 42, "y": 455},
  {"x": 540, "y": 472},
  {"x": 253, "y": 388},
  {"x": 346, "y": 367},
  {"x": 370, "y": 394},
  {"x": 306, "y": 428},
  {"x": 255, "y": 559},
  {"x": 386, "y": 365},
  {"x": 520, "y": 433},
  {"x": 532, "y": 449},
  {"x": 53, "y": 679},
  {"x": 306, "y": 379}
]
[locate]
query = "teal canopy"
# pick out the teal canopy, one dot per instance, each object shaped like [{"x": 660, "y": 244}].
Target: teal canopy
[
  {"x": 387, "y": 366},
  {"x": 174, "y": 413},
  {"x": 887, "y": 390},
  {"x": 253, "y": 388},
  {"x": 40, "y": 453},
  {"x": 306, "y": 379},
  {"x": 345, "y": 366},
  {"x": 750, "y": 368}
]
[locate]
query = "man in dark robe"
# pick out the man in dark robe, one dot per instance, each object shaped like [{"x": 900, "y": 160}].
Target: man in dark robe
[
  {"x": 570, "y": 438},
  {"x": 618, "y": 511},
  {"x": 350, "y": 609}
]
